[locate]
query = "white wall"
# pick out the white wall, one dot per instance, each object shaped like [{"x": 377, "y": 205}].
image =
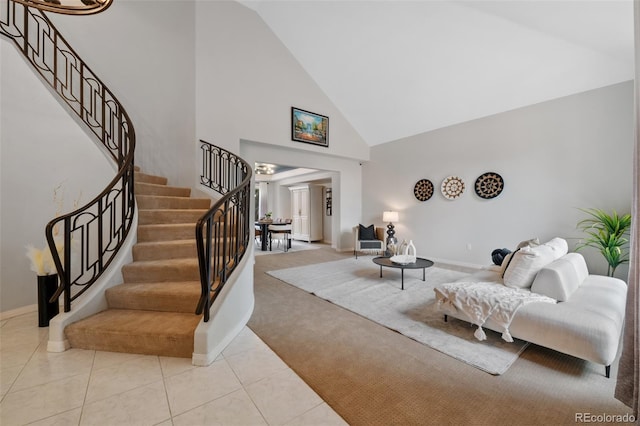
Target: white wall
[
  {"x": 144, "y": 52},
  {"x": 41, "y": 148},
  {"x": 247, "y": 82},
  {"x": 555, "y": 157}
]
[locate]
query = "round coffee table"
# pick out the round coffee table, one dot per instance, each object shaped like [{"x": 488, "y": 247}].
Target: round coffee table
[{"x": 420, "y": 263}]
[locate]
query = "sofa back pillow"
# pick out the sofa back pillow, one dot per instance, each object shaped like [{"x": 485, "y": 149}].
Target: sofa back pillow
[
  {"x": 561, "y": 278},
  {"x": 559, "y": 246},
  {"x": 525, "y": 264}
]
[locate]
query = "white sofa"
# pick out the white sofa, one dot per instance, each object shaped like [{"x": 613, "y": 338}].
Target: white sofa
[{"x": 586, "y": 322}]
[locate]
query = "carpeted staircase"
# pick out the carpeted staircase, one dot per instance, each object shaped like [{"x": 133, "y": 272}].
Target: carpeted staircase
[{"x": 152, "y": 311}]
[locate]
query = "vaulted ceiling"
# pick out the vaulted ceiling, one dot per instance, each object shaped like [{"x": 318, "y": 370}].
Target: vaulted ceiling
[{"x": 398, "y": 68}]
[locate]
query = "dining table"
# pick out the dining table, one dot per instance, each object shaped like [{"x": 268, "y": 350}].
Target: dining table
[{"x": 265, "y": 232}]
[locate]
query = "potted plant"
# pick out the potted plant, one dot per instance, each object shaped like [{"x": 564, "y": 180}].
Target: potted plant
[{"x": 607, "y": 233}]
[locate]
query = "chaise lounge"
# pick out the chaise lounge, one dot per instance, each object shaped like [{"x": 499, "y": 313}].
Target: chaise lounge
[{"x": 572, "y": 311}]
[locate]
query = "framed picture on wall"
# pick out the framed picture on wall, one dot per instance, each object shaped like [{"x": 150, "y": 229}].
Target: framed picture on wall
[{"x": 309, "y": 127}]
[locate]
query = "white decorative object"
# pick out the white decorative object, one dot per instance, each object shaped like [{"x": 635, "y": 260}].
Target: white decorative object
[
  {"x": 406, "y": 254},
  {"x": 410, "y": 252},
  {"x": 402, "y": 248},
  {"x": 401, "y": 259},
  {"x": 452, "y": 187}
]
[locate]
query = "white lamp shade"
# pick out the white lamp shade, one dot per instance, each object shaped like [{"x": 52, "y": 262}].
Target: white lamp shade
[{"x": 389, "y": 216}]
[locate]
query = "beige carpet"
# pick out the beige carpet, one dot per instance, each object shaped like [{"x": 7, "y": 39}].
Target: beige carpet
[
  {"x": 296, "y": 246},
  {"x": 371, "y": 375},
  {"x": 356, "y": 285}
]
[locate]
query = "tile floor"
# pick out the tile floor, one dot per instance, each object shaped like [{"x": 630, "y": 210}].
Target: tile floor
[{"x": 247, "y": 385}]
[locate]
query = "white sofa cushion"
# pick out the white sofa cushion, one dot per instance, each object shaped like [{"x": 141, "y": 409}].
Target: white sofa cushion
[
  {"x": 525, "y": 262},
  {"x": 561, "y": 278}
]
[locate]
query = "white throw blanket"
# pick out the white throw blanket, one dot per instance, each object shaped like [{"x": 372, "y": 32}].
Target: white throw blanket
[{"x": 481, "y": 301}]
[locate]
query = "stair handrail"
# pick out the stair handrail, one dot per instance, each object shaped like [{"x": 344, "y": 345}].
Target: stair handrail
[
  {"x": 91, "y": 235},
  {"x": 224, "y": 232}
]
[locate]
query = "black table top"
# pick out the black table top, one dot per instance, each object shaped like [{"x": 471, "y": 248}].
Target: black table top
[{"x": 420, "y": 263}]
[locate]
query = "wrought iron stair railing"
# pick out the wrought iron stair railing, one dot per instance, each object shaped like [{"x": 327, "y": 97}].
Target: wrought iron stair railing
[
  {"x": 84, "y": 242},
  {"x": 224, "y": 232}
]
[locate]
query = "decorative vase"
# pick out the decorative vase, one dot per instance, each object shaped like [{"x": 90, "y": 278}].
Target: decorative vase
[
  {"x": 410, "y": 252},
  {"x": 47, "y": 286},
  {"x": 402, "y": 248}
]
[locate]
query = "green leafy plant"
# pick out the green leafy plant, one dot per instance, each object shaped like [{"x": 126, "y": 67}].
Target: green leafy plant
[{"x": 607, "y": 233}]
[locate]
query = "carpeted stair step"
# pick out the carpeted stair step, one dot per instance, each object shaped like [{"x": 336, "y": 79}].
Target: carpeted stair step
[
  {"x": 136, "y": 331},
  {"x": 166, "y": 232},
  {"x": 175, "y": 296},
  {"x": 153, "y": 216},
  {"x": 153, "y": 311},
  {"x": 161, "y": 271},
  {"x": 164, "y": 202},
  {"x": 139, "y": 177},
  {"x": 156, "y": 250},
  {"x": 155, "y": 189}
]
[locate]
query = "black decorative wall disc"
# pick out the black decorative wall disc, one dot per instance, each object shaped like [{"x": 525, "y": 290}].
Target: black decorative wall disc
[
  {"x": 489, "y": 185},
  {"x": 423, "y": 190}
]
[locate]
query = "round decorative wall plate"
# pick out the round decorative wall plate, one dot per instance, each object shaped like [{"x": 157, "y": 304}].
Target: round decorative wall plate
[
  {"x": 452, "y": 187},
  {"x": 489, "y": 185},
  {"x": 423, "y": 190}
]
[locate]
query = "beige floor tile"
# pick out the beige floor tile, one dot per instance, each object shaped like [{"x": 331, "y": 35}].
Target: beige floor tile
[
  {"x": 200, "y": 385},
  {"x": 39, "y": 402},
  {"x": 283, "y": 397},
  {"x": 7, "y": 377},
  {"x": 19, "y": 337},
  {"x": 68, "y": 418},
  {"x": 16, "y": 356},
  {"x": 322, "y": 415},
  {"x": 146, "y": 405},
  {"x": 172, "y": 366},
  {"x": 256, "y": 364},
  {"x": 109, "y": 359},
  {"x": 29, "y": 320},
  {"x": 128, "y": 375},
  {"x": 42, "y": 388},
  {"x": 45, "y": 367},
  {"x": 233, "y": 409},
  {"x": 245, "y": 340}
]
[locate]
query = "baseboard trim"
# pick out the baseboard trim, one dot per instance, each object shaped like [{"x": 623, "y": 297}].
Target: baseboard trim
[{"x": 58, "y": 346}]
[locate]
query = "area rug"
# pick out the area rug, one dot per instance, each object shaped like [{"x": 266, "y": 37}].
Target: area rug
[{"x": 355, "y": 284}]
